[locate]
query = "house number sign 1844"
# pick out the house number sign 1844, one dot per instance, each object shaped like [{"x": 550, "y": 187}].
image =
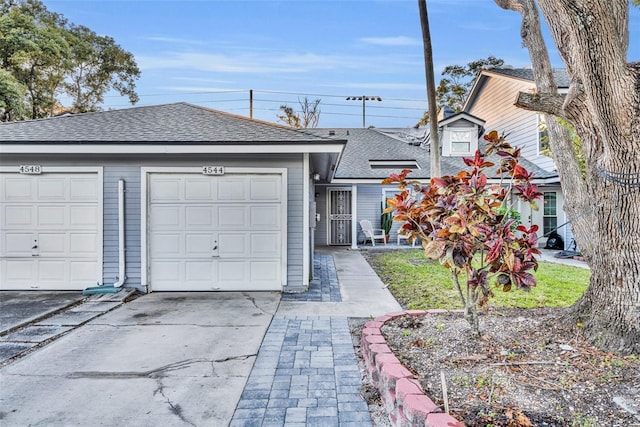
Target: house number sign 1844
[
  {"x": 30, "y": 169},
  {"x": 213, "y": 170}
]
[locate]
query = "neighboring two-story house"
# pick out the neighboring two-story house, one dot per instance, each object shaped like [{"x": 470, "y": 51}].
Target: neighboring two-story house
[{"x": 492, "y": 98}]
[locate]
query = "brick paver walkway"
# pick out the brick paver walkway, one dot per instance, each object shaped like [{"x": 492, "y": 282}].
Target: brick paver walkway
[
  {"x": 306, "y": 372},
  {"x": 324, "y": 287}
]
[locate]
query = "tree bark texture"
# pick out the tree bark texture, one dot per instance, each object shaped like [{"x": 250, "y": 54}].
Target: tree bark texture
[{"x": 603, "y": 104}]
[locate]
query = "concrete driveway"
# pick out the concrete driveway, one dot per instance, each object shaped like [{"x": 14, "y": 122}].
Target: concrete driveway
[{"x": 164, "y": 359}]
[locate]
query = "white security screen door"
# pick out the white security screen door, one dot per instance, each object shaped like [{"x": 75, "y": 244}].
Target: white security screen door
[
  {"x": 215, "y": 232},
  {"x": 339, "y": 216}
]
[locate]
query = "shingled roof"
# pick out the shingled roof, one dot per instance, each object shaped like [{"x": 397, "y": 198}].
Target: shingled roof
[
  {"x": 365, "y": 145},
  {"x": 178, "y": 123},
  {"x": 559, "y": 74}
]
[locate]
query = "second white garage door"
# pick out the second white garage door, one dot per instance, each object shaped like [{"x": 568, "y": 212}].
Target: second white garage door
[
  {"x": 215, "y": 232},
  {"x": 50, "y": 231}
]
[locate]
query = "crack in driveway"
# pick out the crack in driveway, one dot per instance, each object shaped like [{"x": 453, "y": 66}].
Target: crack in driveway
[
  {"x": 154, "y": 373},
  {"x": 174, "y": 408}
]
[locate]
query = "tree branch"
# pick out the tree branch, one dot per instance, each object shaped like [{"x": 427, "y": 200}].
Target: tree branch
[{"x": 549, "y": 103}]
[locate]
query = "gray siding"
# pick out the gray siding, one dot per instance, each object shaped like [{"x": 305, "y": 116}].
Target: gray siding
[
  {"x": 116, "y": 168},
  {"x": 369, "y": 199},
  {"x": 321, "y": 208},
  {"x": 131, "y": 176}
]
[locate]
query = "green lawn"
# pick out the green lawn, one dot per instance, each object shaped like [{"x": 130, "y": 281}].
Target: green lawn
[{"x": 419, "y": 283}]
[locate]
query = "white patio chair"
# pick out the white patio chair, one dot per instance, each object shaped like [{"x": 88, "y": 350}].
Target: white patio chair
[
  {"x": 406, "y": 239},
  {"x": 371, "y": 233}
]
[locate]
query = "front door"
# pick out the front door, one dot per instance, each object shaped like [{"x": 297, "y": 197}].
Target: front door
[{"x": 339, "y": 216}]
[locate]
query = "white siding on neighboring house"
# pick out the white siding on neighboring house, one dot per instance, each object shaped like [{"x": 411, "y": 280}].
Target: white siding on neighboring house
[{"x": 495, "y": 106}]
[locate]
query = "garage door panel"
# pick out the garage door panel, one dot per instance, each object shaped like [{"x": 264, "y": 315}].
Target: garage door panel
[
  {"x": 165, "y": 189},
  {"x": 83, "y": 245},
  {"x": 165, "y": 217},
  {"x": 51, "y": 271},
  {"x": 51, "y": 189},
  {"x": 83, "y": 189},
  {"x": 166, "y": 245},
  {"x": 198, "y": 245},
  {"x": 199, "y": 189},
  {"x": 233, "y": 245},
  {"x": 17, "y": 243},
  {"x": 265, "y": 270},
  {"x": 82, "y": 272},
  {"x": 200, "y": 271},
  {"x": 265, "y": 217},
  {"x": 19, "y": 272},
  {"x": 265, "y": 245},
  {"x": 232, "y": 217},
  {"x": 17, "y": 216},
  {"x": 166, "y": 270},
  {"x": 52, "y": 244},
  {"x": 199, "y": 216},
  {"x": 81, "y": 216},
  {"x": 52, "y": 216},
  {"x": 232, "y": 272},
  {"x": 231, "y": 189},
  {"x": 18, "y": 189},
  {"x": 265, "y": 275},
  {"x": 265, "y": 189}
]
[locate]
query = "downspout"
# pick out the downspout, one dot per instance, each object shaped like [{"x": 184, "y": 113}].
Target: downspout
[
  {"x": 120, "y": 279},
  {"x": 121, "y": 255}
]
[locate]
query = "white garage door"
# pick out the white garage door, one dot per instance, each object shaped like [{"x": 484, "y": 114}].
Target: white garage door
[
  {"x": 50, "y": 231},
  {"x": 215, "y": 232}
]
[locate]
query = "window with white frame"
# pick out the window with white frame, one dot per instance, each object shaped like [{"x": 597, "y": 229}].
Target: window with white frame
[
  {"x": 460, "y": 141},
  {"x": 550, "y": 212}
]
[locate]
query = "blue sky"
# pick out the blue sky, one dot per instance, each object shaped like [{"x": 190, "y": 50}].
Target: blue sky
[{"x": 211, "y": 52}]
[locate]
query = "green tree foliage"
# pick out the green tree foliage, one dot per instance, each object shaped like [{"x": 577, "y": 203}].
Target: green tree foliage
[
  {"x": 454, "y": 87},
  {"x": 48, "y": 59},
  {"x": 461, "y": 223}
]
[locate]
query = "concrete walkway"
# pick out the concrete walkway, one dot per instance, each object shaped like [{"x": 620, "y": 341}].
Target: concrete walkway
[{"x": 306, "y": 372}]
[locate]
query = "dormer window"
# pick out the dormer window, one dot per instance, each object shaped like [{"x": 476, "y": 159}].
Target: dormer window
[
  {"x": 460, "y": 141},
  {"x": 459, "y": 134}
]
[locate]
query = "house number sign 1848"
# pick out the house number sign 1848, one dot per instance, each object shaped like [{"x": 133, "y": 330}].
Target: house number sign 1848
[
  {"x": 30, "y": 169},
  {"x": 213, "y": 170}
]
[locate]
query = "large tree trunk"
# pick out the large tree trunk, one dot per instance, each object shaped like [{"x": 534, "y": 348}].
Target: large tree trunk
[{"x": 603, "y": 104}]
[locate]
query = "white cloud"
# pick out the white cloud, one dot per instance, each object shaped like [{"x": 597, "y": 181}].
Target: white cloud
[
  {"x": 391, "y": 41},
  {"x": 251, "y": 62}
]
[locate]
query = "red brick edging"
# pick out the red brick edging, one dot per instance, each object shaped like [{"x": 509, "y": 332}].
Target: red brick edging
[{"x": 402, "y": 396}]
